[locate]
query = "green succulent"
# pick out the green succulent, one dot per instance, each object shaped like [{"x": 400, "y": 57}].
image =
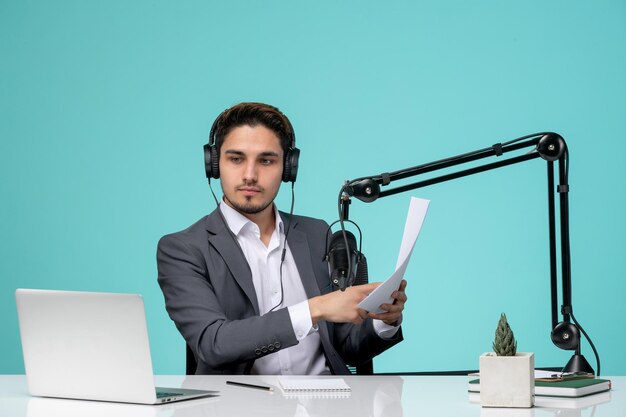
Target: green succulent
[{"x": 504, "y": 343}]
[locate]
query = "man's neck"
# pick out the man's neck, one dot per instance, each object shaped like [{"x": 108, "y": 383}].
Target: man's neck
[{"x": 266, "y": 221}]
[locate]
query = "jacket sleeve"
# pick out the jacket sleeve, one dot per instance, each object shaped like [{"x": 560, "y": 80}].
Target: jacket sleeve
[
  {"x": 357, "y": 344},
  {"x": 212, "y": 312}
]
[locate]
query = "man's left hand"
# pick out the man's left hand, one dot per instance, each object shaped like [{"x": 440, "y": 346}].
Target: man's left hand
[{"x": 392, "y": 312}]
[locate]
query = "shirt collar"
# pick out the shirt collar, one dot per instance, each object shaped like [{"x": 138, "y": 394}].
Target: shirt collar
[{"x": 236, "y": 221}]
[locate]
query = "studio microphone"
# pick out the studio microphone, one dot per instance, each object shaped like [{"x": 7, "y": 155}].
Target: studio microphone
[
  {"x": 341, "y": 261},
  {"x": 362, "y": 276}
]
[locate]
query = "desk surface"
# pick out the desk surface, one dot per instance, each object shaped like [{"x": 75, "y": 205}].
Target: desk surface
[{"x": 375, "y": 396}]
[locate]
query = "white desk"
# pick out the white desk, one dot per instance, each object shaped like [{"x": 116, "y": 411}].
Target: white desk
[{"x": 375, "y": 396}]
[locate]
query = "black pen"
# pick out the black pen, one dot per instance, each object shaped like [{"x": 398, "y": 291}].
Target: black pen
[{"x": 241, "y": 384}]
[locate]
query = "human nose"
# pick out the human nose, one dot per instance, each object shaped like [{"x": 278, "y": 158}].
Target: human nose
[{"x": 250, "y": 172}]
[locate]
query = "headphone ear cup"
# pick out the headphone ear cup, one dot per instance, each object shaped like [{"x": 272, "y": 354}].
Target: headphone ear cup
[
  {"x": 211, "y": 161},
  {"x": 290, "y": 167},
  {"x": 215, "y": 162}
]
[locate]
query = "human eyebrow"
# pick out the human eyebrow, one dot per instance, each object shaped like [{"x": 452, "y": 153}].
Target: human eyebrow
[
  {"x": 234, "y": 152},
  {"x": 267, "y": 154}
]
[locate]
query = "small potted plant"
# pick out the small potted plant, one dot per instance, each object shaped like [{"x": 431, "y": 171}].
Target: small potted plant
[{"x": 506, "y": 376}]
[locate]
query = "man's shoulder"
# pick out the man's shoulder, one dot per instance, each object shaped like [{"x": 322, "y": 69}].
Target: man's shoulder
[{"x": 195, "y": 233}]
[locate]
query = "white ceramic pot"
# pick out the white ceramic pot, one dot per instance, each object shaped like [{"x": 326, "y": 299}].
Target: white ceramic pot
[{"x": 507, "y": 381}]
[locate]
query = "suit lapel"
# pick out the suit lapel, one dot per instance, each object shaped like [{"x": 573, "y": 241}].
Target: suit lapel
[
  {"x": 301, "y": 253},
  {"x": 226, "y": 245}
]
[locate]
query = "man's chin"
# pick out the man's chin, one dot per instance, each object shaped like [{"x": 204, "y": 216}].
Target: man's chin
[{"x": 249, "y": 208}]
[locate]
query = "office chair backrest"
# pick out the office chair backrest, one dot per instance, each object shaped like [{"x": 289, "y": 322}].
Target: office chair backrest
[{"x": 190, "y": 361}]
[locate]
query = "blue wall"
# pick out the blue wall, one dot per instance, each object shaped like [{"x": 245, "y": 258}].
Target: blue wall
[{"x": 105, "y": 107}]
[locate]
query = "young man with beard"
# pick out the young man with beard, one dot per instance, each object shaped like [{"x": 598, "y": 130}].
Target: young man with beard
[{"x": 247, "y": 285}]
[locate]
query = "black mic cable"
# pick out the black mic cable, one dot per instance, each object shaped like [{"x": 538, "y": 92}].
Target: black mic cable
[
  {"x": 593, "y": 347},
  {"x": 284, "y": 252}
]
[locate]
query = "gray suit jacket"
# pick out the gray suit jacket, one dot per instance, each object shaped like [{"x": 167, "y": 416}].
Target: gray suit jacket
[{"x": 210, "y": 296}]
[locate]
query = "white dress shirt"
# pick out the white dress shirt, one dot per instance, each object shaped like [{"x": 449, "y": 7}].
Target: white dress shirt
[{"x": 307, "y": 357}]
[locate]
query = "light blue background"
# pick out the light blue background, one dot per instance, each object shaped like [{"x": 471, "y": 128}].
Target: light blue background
[{"x": 105, "y": 106}]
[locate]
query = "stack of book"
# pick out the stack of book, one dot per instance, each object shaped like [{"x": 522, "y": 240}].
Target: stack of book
[{"x": 561, "y": 392}]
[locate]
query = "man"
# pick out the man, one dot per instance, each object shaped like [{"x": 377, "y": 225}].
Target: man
[{"x": 247, "y": 285}]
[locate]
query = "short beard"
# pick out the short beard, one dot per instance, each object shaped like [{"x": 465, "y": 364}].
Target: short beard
[{"x": 248, "y": 208}]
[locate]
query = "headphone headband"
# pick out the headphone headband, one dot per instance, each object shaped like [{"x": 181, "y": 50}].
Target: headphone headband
[{"x": 290, "y": 161}]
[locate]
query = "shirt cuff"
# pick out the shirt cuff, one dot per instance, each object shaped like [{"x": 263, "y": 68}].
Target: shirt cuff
[
  {"x": 301, "y": 320},
  {"x": 386, "y": 331}
]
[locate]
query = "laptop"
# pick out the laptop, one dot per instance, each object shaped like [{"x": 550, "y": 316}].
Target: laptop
[{"x": 90, "y": 346}]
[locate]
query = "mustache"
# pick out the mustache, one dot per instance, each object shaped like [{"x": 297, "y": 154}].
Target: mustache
[{"x": 250, "y": 188}]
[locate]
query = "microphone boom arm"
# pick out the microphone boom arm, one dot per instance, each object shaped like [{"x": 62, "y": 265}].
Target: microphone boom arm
[{"x": 547, "y": 145}]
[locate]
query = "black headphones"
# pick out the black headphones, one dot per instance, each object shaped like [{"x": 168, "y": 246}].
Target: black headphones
[{"x": 212, "y": 157}]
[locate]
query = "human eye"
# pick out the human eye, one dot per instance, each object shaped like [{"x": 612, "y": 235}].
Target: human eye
[
  {"x": 267, "y": 159},
  {"x": 235, "y": 159}
]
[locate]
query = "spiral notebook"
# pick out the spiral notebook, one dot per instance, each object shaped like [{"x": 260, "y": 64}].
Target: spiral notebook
[{"x": 315, "y": 387}]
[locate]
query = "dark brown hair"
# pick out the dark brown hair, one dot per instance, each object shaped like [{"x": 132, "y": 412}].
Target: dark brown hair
[{"x": 253, "y": 114}]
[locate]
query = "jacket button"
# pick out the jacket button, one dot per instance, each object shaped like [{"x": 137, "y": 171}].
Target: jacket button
[
  {"x": 257, "y": 351},
  {"x": 264, "y": 349},
  {"x": 271, "y": 348},
  {"x": 277, "y": 345}
]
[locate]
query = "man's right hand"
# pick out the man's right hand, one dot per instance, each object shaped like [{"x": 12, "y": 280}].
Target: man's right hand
[{"x": 341, "y": 306}]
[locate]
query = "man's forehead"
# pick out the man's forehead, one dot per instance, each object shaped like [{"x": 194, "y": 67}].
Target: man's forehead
[{"x": 252, "y": 138}]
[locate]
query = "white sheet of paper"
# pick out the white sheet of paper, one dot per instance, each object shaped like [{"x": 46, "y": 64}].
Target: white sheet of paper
[{"x": 414, "y": 220}]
